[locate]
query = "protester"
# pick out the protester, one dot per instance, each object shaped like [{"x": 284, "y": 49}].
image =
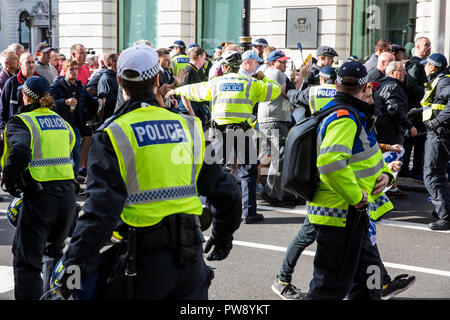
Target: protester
[
  {"x": 381, "y": 46},
  {"x": 43, "y": 66},
  {"x": 378, "y": 73},
  {"x": 108, "y": 86},
  {"x": 10, "y": 63}
]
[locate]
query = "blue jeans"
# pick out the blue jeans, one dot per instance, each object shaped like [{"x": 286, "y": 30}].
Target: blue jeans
[
  {"x": 76, "y": 152},
  {"x": 304, "y": 238}
]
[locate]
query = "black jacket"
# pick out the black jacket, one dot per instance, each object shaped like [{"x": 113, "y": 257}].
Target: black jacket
[
  {"x": 106, "y": 195},
  {"x": 87, "y": 105},
  {"x": 108, "y": 88},
  {"x": 442, "y": 97},
  {"x": 391, "y": 106},
  {"x": 415, "y": 80}
]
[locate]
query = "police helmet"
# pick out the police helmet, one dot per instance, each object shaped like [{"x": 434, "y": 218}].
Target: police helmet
[
  {"x": 231, "y": 58},
  {"x": 14, "y": 209}
]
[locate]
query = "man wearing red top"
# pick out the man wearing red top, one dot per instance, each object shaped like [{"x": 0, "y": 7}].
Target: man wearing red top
[{"x": 79, "y": 53}]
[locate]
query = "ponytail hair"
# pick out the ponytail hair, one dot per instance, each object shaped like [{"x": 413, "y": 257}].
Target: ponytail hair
[{"x": 46, "y": 101}]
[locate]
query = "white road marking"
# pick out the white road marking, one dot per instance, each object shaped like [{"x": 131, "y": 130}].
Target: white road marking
[
  {"x": 6, "y": 279},
  {"x": 443, "y": 273},
  {"x": 301, "y": 210}
]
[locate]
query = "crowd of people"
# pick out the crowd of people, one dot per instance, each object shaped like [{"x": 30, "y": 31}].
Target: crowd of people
[{"x": 403, "y": 106}]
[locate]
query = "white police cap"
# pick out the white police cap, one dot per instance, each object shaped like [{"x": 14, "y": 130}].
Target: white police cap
[{"x": 141, "y": 59}]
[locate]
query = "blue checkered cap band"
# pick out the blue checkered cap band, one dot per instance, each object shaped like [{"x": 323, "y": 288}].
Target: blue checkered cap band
[
  {"x": 359, "y": 81},
  {"x": 50, "y": 162},
  {"x": 29, "y": 92}
]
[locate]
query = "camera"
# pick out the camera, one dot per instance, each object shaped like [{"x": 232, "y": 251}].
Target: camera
[{"x": 90, "y": 51}]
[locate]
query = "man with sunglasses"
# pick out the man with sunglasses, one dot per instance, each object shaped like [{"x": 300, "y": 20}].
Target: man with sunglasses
[{"x": 259, "y": 45}]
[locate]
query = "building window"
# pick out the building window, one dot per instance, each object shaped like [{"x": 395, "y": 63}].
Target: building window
[
  {"x": 217, "y": 21},
  {"x": 24, "y": 29},
  {"x": 394, "y": 20},
  {"x": 138, "y": 20}
]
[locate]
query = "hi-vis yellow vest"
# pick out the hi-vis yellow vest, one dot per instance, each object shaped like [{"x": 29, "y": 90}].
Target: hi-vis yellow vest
[
  {"x": 427, "y": 101},
  {"x": 346, "y": 167},
  {"x": 233, "y": 96},
  {"x": 52, "y": 140},
  {"x": 320, "y": 96},
  {"x": 160, "y": 154},
  {"x": 178, "y": 63}
]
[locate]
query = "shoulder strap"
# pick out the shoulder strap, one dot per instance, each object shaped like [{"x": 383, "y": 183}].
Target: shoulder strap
[{"x": 326, "y": 112}]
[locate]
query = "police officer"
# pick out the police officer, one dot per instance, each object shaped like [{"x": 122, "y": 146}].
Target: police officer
[
  {"x": 325, "y": 57},
  {"x": 145, "y": 174},
  {"x": 36, "y": 162},
  {"x": 180, "y": 59},
  {"x": 233, "y": 97},
  {"x": 353, "y": 176},
  {"x": 436, "y": 116},
  {"x": 314, "y": 98}
]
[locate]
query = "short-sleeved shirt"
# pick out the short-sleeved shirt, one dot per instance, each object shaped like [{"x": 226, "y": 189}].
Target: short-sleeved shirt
[{"x": 278, "y": 109}]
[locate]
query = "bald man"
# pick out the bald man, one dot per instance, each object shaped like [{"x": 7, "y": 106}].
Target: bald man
[{"x": 375, "y": 75}]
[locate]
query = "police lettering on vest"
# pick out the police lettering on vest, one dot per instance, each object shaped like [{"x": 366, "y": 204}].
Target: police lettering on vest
[
  {"x": 326, "y": 93},
  {"x": 231, "y": 87},
  {"x": 158, "y": 132},
  {"x": 182, "y": 60},
  {"x": 51, "y": 123}
]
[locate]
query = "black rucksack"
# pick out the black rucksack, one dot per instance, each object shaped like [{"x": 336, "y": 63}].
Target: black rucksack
[{"x": 300, "y": 175}]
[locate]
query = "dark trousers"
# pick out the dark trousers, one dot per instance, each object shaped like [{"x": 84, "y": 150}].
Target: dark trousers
[
  {"x": 435, "y": 170},
  {"x": 246, "y": 162},
  {"x": 303, "y": 239},
  {"x": 418, "y": 143},
  {"x": 42, "y": 228},
  {"x": 332, "y": 243}
]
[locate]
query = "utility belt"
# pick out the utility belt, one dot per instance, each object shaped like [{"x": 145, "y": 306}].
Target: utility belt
[
  {"x": 178, "y": 232},
  {"x": 232, "y": 126}
]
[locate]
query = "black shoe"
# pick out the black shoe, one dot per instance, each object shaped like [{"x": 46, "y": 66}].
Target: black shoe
[
  {"x": 398, "y": 285},
  {"x": 435, "y": 215},
  {"x": 439, "y": 225},
  {"x": 253, "y": 219}
]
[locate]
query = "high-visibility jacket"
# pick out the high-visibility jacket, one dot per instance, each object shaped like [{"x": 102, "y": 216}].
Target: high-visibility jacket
[
  {"x": 178, "y": 63},
  {"x": 233, "y": 96},
  {"x": 160, "y": 154},
  {"x": 320, "y": 96},
  {"x": 52, "y": 140},
  {"x": 428, "y": 102},
  {"x": 346, "y": 167}
]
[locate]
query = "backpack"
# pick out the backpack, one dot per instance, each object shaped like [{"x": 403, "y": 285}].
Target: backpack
[{"x": 300, "y": 175}]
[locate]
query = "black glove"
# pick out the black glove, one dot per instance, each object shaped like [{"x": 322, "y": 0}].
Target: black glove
[
  {"x": 221, "y": 248},
  {"x": 11, "y": 187},
  {"x": 414, "y": 112},
  {"x": 432, "y": 125}
]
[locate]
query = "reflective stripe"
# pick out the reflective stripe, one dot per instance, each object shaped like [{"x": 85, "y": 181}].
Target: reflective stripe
[
  {"x": 196, "y": 143},
  {"x": 37, "y": 148},
  {"x": 366, "y": 154},
  {"x": 334, "y": 166},
  {"x": 336, "y": 148},
  {"x": 325, "y": 211},
  {"x": 437, "y": 106},
  {"x": 312, "y": 99},
  {"x": 50, "y": 162},
  {"x": 174, "y": 67},
  {"x": 161, "y": 194},
  {"x": 232, "y": 115},
  {"x": 135, "y": 195},
  {"x": 127, "y": 152},
  {"x": 233, "y": 100},
  {"x": 269, "y": 91},
  {"x": 364, "y": 173}
]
